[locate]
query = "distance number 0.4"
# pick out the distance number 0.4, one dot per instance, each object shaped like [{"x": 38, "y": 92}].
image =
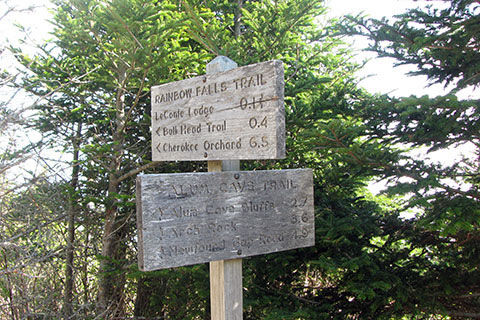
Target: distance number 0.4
[{"x": 254, "y": 123}]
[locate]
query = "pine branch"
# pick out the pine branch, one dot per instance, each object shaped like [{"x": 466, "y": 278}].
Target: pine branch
[{"x": 136, "y": 171}]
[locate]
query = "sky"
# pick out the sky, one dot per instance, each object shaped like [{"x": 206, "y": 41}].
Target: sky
[
  {"x": 382, "y": 77},
  {"x": 379, "y": 74}
]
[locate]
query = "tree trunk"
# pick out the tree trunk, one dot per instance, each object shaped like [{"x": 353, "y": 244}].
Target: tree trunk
[
  {"x": 238, "y": 19},
  {"x": 110, "y": 291},
  {"x": 72, "y": 213},
  {"x": 104, "y": 289}
]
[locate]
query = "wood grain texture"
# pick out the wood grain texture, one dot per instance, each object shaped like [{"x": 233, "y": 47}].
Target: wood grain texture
[
  {"x": 191, "y": 218},
  {"x": 217, "y": 289},
  {"x": 226, "y": 289},
  {"x": 230, "y": 115},
  {"x": 226, "y": 296}
]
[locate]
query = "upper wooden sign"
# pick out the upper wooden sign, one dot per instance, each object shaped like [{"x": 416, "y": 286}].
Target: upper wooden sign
[
  {"x": 191, "y": 218},
  {"x": 232, "y": 115}
]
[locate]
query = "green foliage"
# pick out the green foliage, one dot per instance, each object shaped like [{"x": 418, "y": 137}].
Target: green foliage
[
  {"x": 94, "y": 77},
  {"x": 104, "y": 58},
  {"x": 442, "y": 43},
  {"x": 31, "y": 234},
  {"x": 442, "y": 239}
]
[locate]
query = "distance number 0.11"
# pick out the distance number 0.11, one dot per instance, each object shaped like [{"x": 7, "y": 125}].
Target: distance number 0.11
[{"x": 252, "y": 103}]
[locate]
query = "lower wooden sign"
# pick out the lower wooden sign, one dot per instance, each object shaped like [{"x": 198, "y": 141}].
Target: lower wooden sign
[{"x": 191, "y": 218}]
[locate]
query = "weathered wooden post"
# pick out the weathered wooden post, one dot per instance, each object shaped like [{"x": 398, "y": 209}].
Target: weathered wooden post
[
  {"x": 226, "y": 297},
  {"x": 225, "y": 214}
]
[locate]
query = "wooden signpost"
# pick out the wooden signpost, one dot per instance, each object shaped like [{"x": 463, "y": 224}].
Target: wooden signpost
[{"x": 220, "y": 217}]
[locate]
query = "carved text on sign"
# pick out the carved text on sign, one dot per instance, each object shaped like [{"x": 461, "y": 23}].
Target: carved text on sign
[
  {"x": 193, "y": 218},
  {"x": 236, "y": 114}
]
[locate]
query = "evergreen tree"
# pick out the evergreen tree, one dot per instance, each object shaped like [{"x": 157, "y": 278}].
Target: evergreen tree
[
  {"x": 367, "y": 263},
  {"x": 444, "y": 237},
  {"x": 95, "y": 78}
]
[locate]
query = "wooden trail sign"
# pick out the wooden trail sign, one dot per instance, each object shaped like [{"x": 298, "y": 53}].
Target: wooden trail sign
[
  {"x": 191, "y": 218},
  {"x": 235, "y": 114}
]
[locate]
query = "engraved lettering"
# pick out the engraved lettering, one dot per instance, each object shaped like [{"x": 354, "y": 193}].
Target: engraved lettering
[
  {"x": 238, "y": 186},
  {"x": 185, "y": 129},
  {"x": 243, "y": 82},
  {"x": 169, "y": 114},
  {"x": 164, "y": 251},
  {"x": 261, "y": 206},
  {"x": 249, "y": 82},
  {"x": 173, "y": 96},
  {"x": 223, "y": 86},
  {"x": 222, "y": 145},
  {"x": 170, "y": 131},
  {"x": 243, "y": 186},
  {"x": 182, "y": 212},
  {"x": 221, "y": 227},
  {"x": 211, "y": 88},
  {"x": 243, "y": 103},
  {"x": 256, "y": 142},
  {"x": 223, "y": 187},
  {"x": 184, "y": 147},
  {"x": 299, "y": 218},
  {"x": 188, "y": 230},
  {"x": 178, "y": 190},
  {"x": 190, "y": 189},
  {"x": 300, "y": 234},
  {"x": 242, "y": 243},
  {"x": 282, "y": 184},
  {"x": 176, "y": 250},
  {"x": 220, "y": 210},
  {"x": 299, "y": 203},
  {"x": 217, "y": 127},
  {"x": 204, "y": 111},
  {"x": 199, "y": 189},
  {"x": 252, "y": 103},
  {"x": 269, "y": 239}
]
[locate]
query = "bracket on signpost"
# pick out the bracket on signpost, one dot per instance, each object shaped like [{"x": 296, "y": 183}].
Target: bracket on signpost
[{"x": 226, "y": 298}]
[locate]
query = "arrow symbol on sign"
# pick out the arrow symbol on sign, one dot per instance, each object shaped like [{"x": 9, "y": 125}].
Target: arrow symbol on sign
[
  {"x": 158, "y": 130},
  {"x": 158, "y": 147}
]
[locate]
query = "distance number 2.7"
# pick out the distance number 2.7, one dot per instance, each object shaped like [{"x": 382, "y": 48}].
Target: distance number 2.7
[{"x": 299, "y": 204}]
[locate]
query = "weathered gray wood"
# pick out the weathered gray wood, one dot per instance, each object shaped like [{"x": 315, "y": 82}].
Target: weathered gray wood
[
  {"x": 226, "y": 289},
  {"x": 220, "y": 64},
  {"x": 235, "y": 114},
  {"x": 226, "y": 296},
  {"x": 191, "y": 218}
]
